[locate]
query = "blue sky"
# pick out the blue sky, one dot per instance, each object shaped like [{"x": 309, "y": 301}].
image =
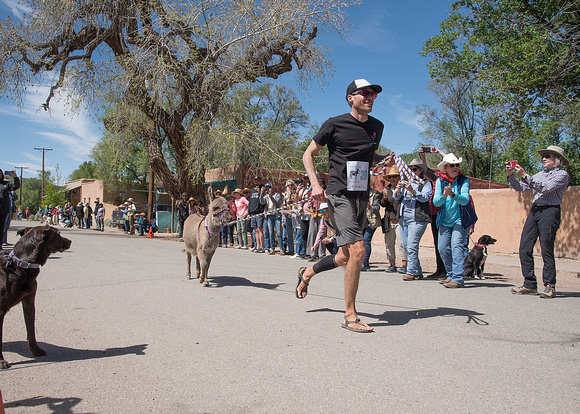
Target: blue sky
[{"x": 383, "y": 48}]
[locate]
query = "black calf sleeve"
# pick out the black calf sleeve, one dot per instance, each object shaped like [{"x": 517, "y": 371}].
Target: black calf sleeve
[{"x": 326, "y": 263}]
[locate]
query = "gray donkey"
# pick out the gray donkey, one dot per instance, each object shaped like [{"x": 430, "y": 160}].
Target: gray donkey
[{"x": 201, "y": 234}]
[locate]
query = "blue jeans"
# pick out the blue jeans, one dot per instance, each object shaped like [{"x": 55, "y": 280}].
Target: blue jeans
[
  {"x": 275, "y": 231},
  {"x": 300, "y": 249},
  {"x": 411, "y": 233},
  {"x": 266, "y": 235},
  {"x": 288, "y": 235},
  {"x": 452, "y": 248},
  {"x": 367, "y": 237}
]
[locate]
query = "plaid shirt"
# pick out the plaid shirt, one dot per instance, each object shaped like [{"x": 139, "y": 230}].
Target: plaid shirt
[{"x": 548, "y": 186}]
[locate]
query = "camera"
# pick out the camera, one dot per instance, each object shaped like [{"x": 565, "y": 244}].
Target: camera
[
  {"x": 511, "y": 164},
  {"x": 426, "y": 150}
]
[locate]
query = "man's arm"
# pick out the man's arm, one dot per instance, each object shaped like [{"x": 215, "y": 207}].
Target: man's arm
[{"x": 308, "y": 159}]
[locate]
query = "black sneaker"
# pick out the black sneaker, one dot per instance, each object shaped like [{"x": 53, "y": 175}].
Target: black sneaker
[
  {"x": 402, "y": 269},
  {"x": 549, "y": 292},
  {"x": 391, "y": 269}
]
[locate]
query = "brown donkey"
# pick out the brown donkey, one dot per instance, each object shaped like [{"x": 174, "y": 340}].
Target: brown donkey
[{"x": 201, "y": 235}]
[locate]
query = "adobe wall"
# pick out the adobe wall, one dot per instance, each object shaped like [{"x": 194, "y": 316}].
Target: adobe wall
[{"x": 502, "y": 213}]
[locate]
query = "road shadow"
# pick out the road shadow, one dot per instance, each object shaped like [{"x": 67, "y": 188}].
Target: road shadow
[
  {"x": 55, "y": 353},
  {"x": 53, "y": 405},
  {"x": 229, "y": 281},
  {"x": 403, "y": 317},
  {"x": 488, "y": 283}
]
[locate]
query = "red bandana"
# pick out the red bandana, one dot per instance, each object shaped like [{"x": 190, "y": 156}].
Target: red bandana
[{"x": 449, "y": 179}]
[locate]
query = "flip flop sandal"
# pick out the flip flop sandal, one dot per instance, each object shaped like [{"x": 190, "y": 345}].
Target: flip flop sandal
[
  {"x": 300, "y": 280},
  {"x": 346, "y": 324}
]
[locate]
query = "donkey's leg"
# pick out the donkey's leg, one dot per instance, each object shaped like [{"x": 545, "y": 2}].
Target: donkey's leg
[{"x": 188, "y": 260}]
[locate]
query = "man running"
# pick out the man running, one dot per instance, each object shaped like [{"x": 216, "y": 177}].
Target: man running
[{"x": 352, "y": 140}]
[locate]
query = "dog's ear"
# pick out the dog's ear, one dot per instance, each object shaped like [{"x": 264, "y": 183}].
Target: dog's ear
[{"x": 23, "y": 231}]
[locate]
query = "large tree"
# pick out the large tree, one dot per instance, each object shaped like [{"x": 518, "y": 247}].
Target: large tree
[{"x": 172, "y": 60}]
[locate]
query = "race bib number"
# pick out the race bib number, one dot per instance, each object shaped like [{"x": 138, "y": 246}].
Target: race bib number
[{"x": 357, "y": 175}]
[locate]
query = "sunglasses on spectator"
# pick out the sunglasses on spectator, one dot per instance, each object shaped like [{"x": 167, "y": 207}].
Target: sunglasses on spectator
[
  {"x": 548, "y": 156},
  {"x": 365, "y": 94},
  {"x": 453, "y": 165},
  {"x": 415, "y": 169},
  {"x": 322, "y": 211}
]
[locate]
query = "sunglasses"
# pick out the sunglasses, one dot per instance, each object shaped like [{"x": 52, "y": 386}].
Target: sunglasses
[
  {"x": 365, "y": 94},
  {"x": 322, "y": 211},
  {"x": 548, "y": 156},
  {"x": 453, "y": 165},
  {"x": 414, "y": 169}
]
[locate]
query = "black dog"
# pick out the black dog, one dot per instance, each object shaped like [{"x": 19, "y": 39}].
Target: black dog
[
  {"x": 18, "y": 272},
  {"x": 475, "y": 260}
]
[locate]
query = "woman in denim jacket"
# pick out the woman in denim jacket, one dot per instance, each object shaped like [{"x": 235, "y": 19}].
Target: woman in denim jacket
[
  {"x": 451, "y": 192},
  {"x": 414, "y": 215}
]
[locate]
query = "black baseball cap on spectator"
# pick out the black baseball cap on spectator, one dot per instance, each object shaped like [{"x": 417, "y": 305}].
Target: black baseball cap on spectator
[
  {"x": 299, "y": 180},
  {"x": 355, "y": 85}
]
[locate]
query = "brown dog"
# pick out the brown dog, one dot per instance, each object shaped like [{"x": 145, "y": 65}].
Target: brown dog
[
  {"x": 200, "y": 235},
  {"x": 18, "y": 273}
]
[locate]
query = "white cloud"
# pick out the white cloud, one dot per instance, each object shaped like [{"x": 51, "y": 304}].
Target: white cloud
[
  {"x": 17, "y": 8},
  {"x": 372, "y": 33},
  {"x": 404, "y": 112}
]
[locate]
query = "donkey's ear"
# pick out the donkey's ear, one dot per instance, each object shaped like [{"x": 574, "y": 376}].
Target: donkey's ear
[
  {"x": 226, "y": 192},
  {"x": 210, "y": 193}
]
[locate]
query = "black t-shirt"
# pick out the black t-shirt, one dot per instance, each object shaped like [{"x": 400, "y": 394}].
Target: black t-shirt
[
  {"x": 254, "y": 206},
  {"x": 348, "y": 140}
]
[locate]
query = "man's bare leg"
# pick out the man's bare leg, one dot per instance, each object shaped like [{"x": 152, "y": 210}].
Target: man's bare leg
[{"x": 356, "y": 255}]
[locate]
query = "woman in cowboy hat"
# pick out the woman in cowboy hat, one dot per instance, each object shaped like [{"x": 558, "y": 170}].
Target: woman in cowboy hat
[
  {"x": 414, "y": 215},
  {"x": 241, "y": 204},
  {"x": 548, "y": 187},
  {"x": 392, "y": 221},
  {"x": 451, "y": 192}
]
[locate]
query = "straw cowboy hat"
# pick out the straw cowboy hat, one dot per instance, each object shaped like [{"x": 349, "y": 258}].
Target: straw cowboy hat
[
  {"x": 130, "y": 200},
  {"x": 393, "y": 172},
  {"x": 417, "y": 162},
  {"x": 239, "y": 191},
  {"x": 553, "y": 149},
  {"x": 191, "y": 199},
  {"x": 449, "y": 159}
]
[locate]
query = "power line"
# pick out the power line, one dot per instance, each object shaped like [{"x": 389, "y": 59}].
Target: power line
[{"x": 42, "y": 182}]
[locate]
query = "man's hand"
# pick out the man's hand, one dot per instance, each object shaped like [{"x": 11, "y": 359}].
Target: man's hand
[
  {"x": 318, "y": 192},
  {"x": 520, "y": 171}
]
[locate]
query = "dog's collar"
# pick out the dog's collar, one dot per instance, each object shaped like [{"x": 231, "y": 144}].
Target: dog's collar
[
  {"x": 22, "y": 263},
  {"x": 480, "y": 245}
]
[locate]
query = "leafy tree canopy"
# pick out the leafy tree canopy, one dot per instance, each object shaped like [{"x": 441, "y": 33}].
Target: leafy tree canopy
[{"x": 172, "y": 60}]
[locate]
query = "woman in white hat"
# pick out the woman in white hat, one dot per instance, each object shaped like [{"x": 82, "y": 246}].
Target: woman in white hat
[
  {"x": 548, "y": 187},
  {"x": 451, "y": 192}
]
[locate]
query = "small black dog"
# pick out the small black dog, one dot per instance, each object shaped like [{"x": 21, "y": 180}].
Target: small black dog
[
  {"x": 475, "y": 260},
  {"x": 18, "y": 273}
]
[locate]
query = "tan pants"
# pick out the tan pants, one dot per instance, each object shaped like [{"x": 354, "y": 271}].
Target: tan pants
[{"x": 390, "y": 239}]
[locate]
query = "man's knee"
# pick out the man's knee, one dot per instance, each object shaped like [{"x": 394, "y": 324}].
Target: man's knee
[{"x": 357, "y": 251}]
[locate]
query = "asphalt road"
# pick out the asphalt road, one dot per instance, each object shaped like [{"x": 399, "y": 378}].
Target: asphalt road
[{"x": 126, "y": 332}]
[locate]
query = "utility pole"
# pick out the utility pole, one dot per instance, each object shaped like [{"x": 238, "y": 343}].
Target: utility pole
[
  {"x": 42, "y": 182},
  {"x": 21, "y": 168}
]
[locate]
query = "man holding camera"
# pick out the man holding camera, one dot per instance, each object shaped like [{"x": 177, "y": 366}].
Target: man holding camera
[
  {"x": 6, "y": 187},
  {"x": 548, "y": 187}
]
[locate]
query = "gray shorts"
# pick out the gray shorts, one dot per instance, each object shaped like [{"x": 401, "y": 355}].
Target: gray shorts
[
  {"x": 349, "y": 218},
  {"x": 256, "y": 222}
]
